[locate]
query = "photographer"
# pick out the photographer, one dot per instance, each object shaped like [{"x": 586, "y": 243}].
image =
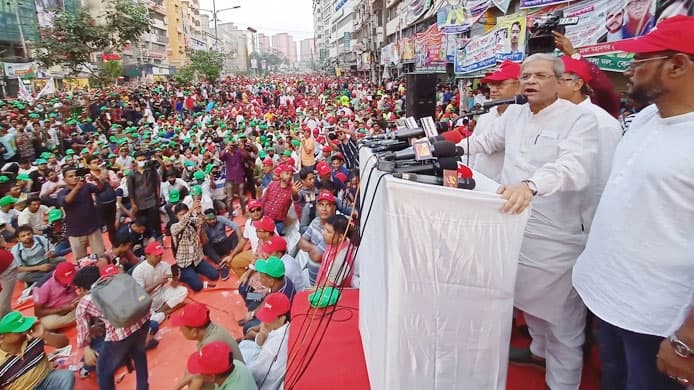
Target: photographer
[
  {"x": 77, "y": 200},
  {"x": 144, "y": 185}
]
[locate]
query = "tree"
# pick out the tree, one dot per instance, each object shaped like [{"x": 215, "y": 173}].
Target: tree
[
  {"x": 206, "y": 63},
  {"x": 110, "y": 71},
  {"x": 184, "y": 75},
  {"x": 74, "y": 36}
]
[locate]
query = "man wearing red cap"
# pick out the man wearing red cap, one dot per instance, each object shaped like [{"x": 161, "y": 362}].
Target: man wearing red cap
[
  {"x": 503, "y": 84},
  {"x": 194, "y": 322},
  {"x": 55, "y": 301},
  {"x": 266, "y": 357},
  {"x": 550, "y": 149},
  {"x": 311, "y": 243},
  {"x": 574, "y": 87},
  {"x": 218, "y": 366},
  {"x": 156, "y": 278},
  {"x": 640, "y": 288}
]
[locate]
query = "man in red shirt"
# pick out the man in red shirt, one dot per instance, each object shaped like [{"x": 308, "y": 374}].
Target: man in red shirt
[{"x": 278, "y": 197}]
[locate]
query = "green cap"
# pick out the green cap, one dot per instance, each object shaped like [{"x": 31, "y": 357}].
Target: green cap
[
  {"x": 273, "y": 266},
  {"x": 262, "y": 154},
  {"x": 103, "y": 108},
  {"x": 41, "y": 161},
  {"x": 23, "y": 177},
  {"x": 126, "y": 172},
  {"x": 69, "y": 152},
  {"x": 194, "y": 190},
  {"x": 46, "y": 155},
  {"x": 4, "y": 179},
  {"x": 209, "y": 168},
  {"x": 174, "y": 196},
  {"x": 84, "y": 150},
  {"x": 296, "y": 143},
  {"x": 15, "y": 322},
  {"x": 287, "y": 153},
  {"x": 189, "y": 163},
  {"x": 54, "y": 215},
  {"x": 7, "y": 200},
  {"x": 199, "y": 175},
  {"x": 324, "y": 297}
]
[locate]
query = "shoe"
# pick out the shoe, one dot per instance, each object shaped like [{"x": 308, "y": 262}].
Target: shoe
[
  {"x": 152, "y": 344},
  {"x": 224, "y": 272},
  {"x": 84, "y": 373},
  {"x": 523, "y": 357},
  {"x": 158, "y": 317}
]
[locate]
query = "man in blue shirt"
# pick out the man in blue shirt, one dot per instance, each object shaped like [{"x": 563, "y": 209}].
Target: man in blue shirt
[{"x": 219, "y": 244}]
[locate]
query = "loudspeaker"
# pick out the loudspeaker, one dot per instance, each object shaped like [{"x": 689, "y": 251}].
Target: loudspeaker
[{"x": 421, "y": 95}]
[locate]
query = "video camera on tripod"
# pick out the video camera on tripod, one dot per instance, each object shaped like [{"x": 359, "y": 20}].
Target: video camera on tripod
[{"x": 541, "y": 39}]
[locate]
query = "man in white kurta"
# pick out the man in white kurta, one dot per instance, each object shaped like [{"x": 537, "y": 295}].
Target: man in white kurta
[
  {"x": 503, "y": 84},
  {"x": 574, "y": 88},
  {"x": 637, "y": 270},
  {"x": 550, "y": 145}
]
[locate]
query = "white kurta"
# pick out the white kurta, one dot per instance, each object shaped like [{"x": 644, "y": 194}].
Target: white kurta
[
  {"x": 556, "y": 149},
  {"x": 636, "y": 272},
  {"x": 609, "y": 135},
  {"x": 488, "y": 164}
]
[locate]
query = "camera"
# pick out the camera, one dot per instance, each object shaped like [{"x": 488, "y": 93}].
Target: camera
[{"x": 541, "y": 39}]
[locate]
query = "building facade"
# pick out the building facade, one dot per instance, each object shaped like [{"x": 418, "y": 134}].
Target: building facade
[{"x": 284, "y": 44}]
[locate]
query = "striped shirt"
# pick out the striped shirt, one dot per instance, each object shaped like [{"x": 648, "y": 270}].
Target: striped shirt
[
  {"x": 350, "y": 150},
  {"x": 87, "y": 310},
  {"x": 25, "y": 371},
  {"x": 188, "y": 249}
]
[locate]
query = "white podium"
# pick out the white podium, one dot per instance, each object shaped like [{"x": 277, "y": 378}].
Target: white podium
[{"x": 438, "y": 269}]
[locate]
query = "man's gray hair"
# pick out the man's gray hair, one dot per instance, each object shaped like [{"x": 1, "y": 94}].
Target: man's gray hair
[{"x": 557, "y": 63}]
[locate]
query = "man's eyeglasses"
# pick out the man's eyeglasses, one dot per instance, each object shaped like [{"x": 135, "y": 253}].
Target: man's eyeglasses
[
  {"x": 539, "y": 76},
  {"x": 255, "y": 210},
  {"x": 633, "y": 64}
]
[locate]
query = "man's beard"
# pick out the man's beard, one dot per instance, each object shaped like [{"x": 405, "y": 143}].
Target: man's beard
[{"x": 647, "y": 92}]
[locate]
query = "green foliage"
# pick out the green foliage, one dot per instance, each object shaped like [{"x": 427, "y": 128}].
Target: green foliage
[
  {"x": 206, "y": 63},
  {"x": 74, "y": 36},
  {"x": 110, "y": 71},
  {"x": 184, "y": 75}
]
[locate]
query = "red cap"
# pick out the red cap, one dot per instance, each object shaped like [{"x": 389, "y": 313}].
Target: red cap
[
  {"x": 192, "y": 315},
  {"x": 464, "y": 172},
  {"x": 254, "y": 204},
  {"x": 274, "y": 244},
  {"x": 327, "y": 149},
  {"x": 212, "y": 359},
  {"x": 290, "y": 161},
  {"x": 286, "y": 168},
  {"x": 339, "y": 156},
  {"x": 578, "y": 67},
  {"x": 323, "y": 168},
  {"x": 507, "y": 71},
  {"x": 341, "y": 177},
  {"x": 6, "y": 259},
  {"x": 274, "y": 306},
  {"x": 672, "y": 34},
  {"x": 266, "y": 223},
  {"x": 65, "y": 273},
  {"x": 109, "y": 270},
  {"x": 327, "y": 196},
  {"x": 268, "y": 161},
  {"x": 320, "y": 139},
  {"x": 154, "y": 248}
]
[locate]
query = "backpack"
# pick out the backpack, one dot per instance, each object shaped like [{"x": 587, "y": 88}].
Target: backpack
[{"x": 121, "y": 300}]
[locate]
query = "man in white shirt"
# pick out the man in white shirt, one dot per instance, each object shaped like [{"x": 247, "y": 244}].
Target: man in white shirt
[
  {"x": 154, "y": 276},
  {"x": 35, "y": 215},
  {"x": 503, "y": 84},
  {"x": 550, "y": 147},
  {"x": 266, "y": 357},
  {"x": 574, "y": 88},
  {"x": 636, "y": 272}
]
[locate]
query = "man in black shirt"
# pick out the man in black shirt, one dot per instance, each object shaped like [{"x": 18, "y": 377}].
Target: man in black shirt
[{"x": 144, "y": 187}]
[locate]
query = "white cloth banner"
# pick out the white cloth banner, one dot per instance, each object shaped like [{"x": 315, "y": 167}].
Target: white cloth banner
[
  {"x": 22, "y": 91},
  {"x": 438, "y": 270},
  {"x": 48, "y": 89}
]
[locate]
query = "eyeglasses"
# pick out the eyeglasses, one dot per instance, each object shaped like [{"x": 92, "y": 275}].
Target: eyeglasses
[
  {"x": 539, "y": 76},
  {"x": 633, "y": 64},
  {"x": 256, "y": 210}
]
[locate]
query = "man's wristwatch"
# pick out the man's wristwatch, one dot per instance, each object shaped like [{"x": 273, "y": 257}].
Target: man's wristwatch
[
  {"x": 531, "y": 185},
  {"x": 576, "y": 56},
  {"x": 680, "y": 347}
]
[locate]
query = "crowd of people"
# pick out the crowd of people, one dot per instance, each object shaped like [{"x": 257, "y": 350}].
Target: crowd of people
[{"x": 258, "y": 179}]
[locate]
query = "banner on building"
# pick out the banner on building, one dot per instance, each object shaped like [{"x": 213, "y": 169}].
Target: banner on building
[
  {"x": 502, "y": 5},
  {"x": 454, "y": 42},
  {"x": 540, "y": 3},
  {"x": 15, "y": 70},
  {"x": 430, "y": 50},
  {"x": 510, "y": 37},
  {"x": 455, "y": 17},
  {"x": 479, "y": 53},
  {"x": 618, "y": 62},
  {"x": 406, "y": 46},
  {"x": 668, "y": 8},
  {"x": 416, "y": 8}
]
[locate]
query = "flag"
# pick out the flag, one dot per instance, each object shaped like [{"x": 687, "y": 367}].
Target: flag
[
  {"x": 23, "y": 93},
  {"x": 48, "y": 89}
]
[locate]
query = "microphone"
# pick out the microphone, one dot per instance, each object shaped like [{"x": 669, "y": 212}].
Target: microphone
[
  {"x": 468, "y": 184},
  {"x": 400, "y": 134},
  {"x": 432, "y": 168},
  {"x": 518, "y": 99},
  {"x": 438, "y": 149}
]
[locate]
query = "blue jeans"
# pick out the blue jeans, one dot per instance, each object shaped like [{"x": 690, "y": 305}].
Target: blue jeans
[
  {"x": 628, "y": 360},
  {"x": 113, "y": 354},
  {"x": 58, "y": 380},
  {"x": 62, "y": 248},
  {"x": 280, "y": 226},
  {"x": 189, "y": 275}
]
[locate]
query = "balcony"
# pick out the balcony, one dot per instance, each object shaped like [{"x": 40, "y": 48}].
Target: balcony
[
  {"x": 156, "y": 7},
  {"x": 156, "y": 23}
]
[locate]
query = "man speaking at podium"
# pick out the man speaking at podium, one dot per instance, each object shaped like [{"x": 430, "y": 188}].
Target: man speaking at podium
[{"x": 550, "y": 147}]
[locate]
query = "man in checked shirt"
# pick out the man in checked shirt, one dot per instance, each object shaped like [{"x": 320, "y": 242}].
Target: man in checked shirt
[{"x": 278, "y": 197}]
